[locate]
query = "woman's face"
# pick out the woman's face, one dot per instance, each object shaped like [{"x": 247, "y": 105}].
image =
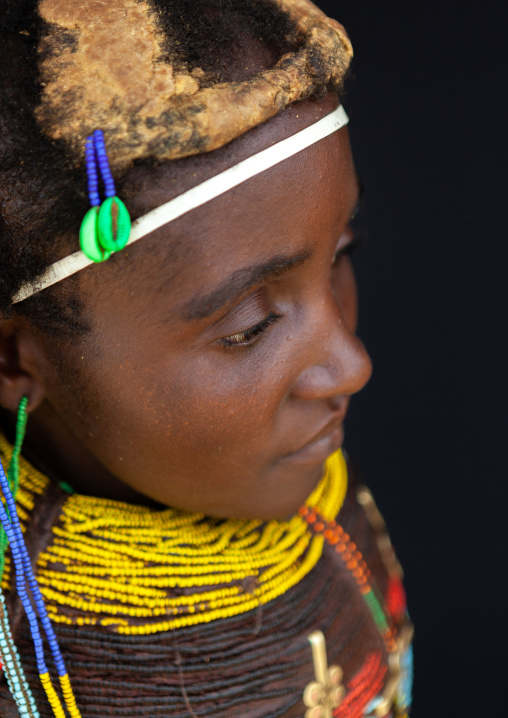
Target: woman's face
[{"x": 219, "y": 368}]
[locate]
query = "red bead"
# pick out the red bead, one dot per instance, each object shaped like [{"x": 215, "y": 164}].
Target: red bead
[
  {"x": 331, "y": 537},
  {"x": 396, "y": 598}
]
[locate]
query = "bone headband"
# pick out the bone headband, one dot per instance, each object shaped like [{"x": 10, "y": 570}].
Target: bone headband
[{"x": 196, "y": 197}]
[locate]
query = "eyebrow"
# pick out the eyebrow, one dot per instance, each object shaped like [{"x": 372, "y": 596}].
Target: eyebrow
[{"x": 240, "y": 281}]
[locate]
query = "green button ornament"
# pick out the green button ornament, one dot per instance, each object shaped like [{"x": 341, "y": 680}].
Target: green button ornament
[
  {"x": 89, "y": 237},
  {"x": 114, "y": 224}
]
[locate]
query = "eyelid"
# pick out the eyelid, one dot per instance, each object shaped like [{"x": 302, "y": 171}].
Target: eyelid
[
  {"x": 344, "y": 239},
  {"x": 244, "y": 312},
  {"x": 248, "y": 336},
  {"x": 348, "y": 242}
]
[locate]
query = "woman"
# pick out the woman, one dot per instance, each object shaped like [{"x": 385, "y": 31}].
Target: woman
[{"x": 207, "y": 367}]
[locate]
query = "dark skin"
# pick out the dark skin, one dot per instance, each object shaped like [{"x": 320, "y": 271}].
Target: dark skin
[{"x": 186, "y": 393}]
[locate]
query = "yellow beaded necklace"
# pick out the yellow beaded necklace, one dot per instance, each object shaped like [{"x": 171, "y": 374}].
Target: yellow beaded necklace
[{"x": 141, "y": 571}]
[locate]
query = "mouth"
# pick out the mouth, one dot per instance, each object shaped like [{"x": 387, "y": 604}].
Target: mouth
[{"x": 321, "y": 446}]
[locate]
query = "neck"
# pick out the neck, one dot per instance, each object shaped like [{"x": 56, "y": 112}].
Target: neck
[{"x": 54, "y": 451}]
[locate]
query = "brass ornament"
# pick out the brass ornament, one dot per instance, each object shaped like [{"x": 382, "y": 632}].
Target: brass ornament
[
  {"x": 376, "y": 520},
  {"x": 326, "y": 692}
]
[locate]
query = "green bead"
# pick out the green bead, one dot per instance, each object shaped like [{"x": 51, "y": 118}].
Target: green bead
[
  {"x": 66, "y": 487},
  {"x": 114, "y": 227},
  {"x": 89, "y": 237}
]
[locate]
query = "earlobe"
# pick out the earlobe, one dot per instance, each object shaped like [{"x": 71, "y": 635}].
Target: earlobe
[{"x": 18, "y": 377}]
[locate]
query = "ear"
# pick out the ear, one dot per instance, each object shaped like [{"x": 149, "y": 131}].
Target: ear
[{"x": 19, "y": 369}]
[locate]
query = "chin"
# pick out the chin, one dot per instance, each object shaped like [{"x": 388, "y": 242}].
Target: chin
[{"x": 284, "y": 495}]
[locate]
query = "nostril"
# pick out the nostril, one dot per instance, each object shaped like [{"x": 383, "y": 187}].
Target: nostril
[{"x": 338, "y": 403}]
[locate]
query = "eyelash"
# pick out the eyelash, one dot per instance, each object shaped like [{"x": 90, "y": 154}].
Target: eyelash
[
  {"x": 249, "y": 335},
  {"x": 349, "y": 248}
]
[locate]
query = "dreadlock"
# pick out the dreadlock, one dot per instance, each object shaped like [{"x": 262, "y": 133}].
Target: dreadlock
[{"x": 190, "y": 60}]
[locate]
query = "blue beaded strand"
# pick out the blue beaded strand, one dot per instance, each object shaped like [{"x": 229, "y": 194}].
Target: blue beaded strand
[
  {"x": 102, "y": 159},
  {"x": 22, "y": 592},
  {"x": 405, "y": 687},
  {"x": 25, "y": 573},
  {"x": 91, "y": 172},
  {"x": 20, "y": 571}
]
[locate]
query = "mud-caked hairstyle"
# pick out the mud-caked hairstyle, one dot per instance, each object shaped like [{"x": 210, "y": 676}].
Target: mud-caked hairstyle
[{"x": 164, "y": 80}]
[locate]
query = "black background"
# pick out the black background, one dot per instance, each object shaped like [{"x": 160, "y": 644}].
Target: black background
[{"x": 427, "y": 103}]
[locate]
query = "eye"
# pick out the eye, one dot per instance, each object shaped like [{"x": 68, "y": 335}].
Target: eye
[
  {"x": 345, "y": 248},
  {"x": 249, "y": 336}
]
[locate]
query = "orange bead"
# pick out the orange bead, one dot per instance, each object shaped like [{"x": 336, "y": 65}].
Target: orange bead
[{"x": 319, "y": 526}]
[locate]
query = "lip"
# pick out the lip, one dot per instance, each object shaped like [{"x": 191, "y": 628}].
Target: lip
[{"x": 318, "y": 449}]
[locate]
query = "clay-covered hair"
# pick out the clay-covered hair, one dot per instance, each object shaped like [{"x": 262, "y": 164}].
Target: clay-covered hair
[{"x": 164, "y": 80}]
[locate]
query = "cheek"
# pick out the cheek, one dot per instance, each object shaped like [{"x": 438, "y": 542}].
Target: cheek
[
  {"x": 344, "y": 287},
  {"x": 228, "y": 399},
  {"x": 186, "y": 406}
]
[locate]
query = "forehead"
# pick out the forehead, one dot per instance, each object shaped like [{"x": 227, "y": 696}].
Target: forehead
[{"x": 278, "y": 211}]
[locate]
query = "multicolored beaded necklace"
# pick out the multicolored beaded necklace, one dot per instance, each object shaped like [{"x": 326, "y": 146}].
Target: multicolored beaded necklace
[{"x": 140, "y": 572}]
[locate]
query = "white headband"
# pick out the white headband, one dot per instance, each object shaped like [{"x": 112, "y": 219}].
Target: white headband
[{"x": 197, "y": 196}]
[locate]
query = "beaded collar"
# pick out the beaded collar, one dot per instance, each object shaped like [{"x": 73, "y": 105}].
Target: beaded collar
[{"x": 141, "y": 571}]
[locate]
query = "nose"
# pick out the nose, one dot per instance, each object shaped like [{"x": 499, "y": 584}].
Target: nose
[{"x": 337, "y": 363}]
